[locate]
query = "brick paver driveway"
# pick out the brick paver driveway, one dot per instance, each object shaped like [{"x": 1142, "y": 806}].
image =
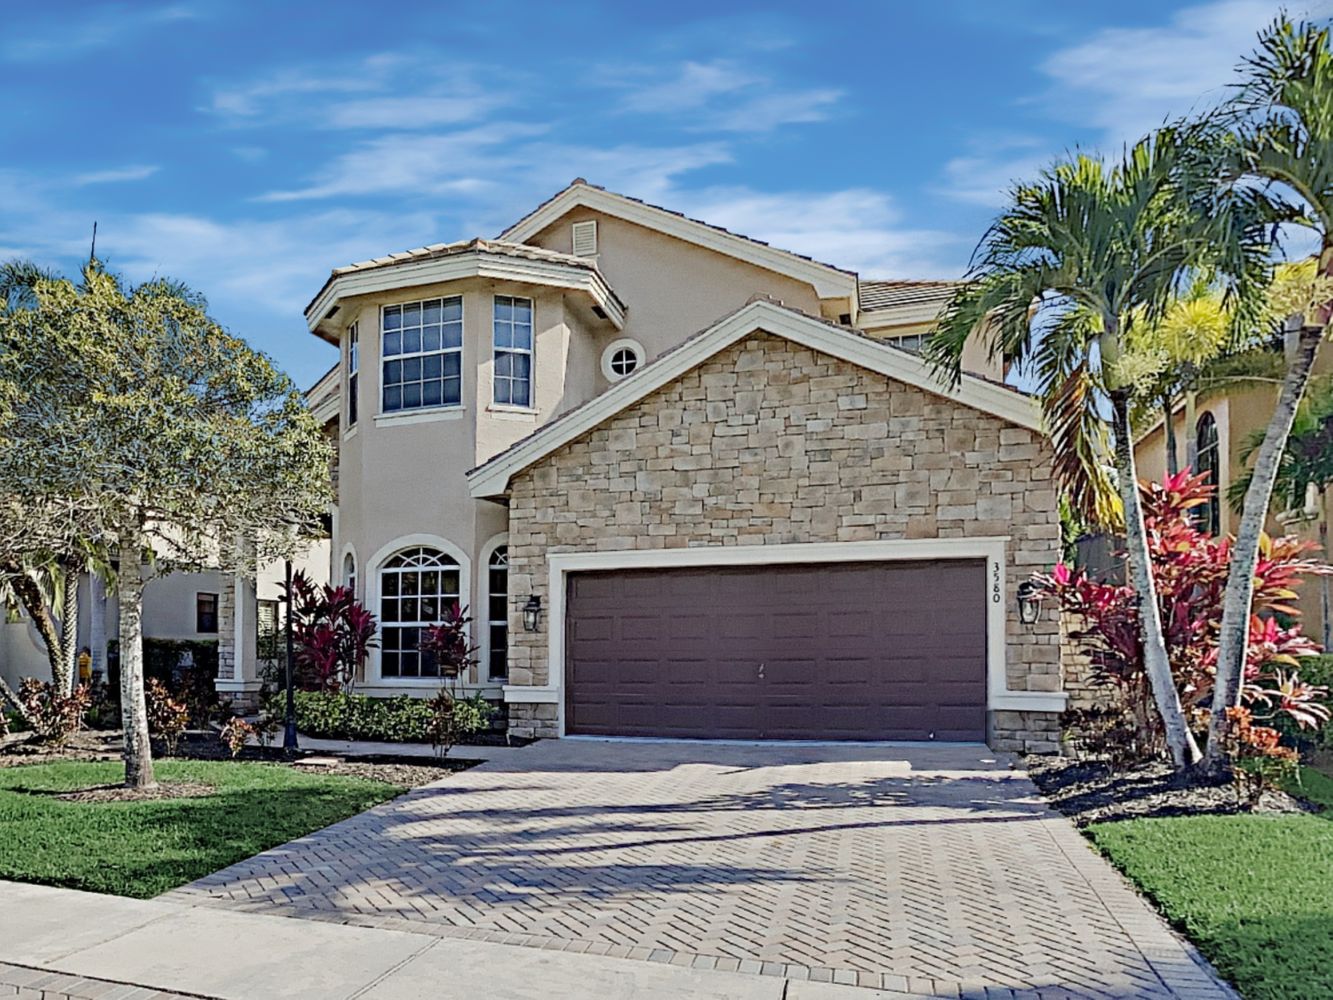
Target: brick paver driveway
[{"x": 935, "y": 871}]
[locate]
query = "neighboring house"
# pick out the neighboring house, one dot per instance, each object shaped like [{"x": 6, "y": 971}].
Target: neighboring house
[
  {"x": 197, "y": 607},
  {"x": 687, "y": 484},
  {"x": 1217, "y": 429}
]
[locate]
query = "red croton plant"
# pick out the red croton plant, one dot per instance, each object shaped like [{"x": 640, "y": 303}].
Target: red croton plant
[
  {"x": 333, "y": 633},
  {"x": 1190, "y": 569}
]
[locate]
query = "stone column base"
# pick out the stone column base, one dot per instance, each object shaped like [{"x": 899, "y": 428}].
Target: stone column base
[
  {"x": 1023, "y": 732},
  {"x": 241, "y": 697},
  {"x": 532, "y": 721}
]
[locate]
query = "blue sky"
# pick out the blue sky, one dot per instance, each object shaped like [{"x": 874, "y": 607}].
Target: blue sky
[{"x": 248, "y": 148}]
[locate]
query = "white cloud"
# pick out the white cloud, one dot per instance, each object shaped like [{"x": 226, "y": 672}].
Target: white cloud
[
  {"x": 497, "y": 164},
  {"x": 984, "y": 176},
  {"x": 384, "y": 91},
  {"x": 1127, "y": 81},
  {"x": 454, "y": 162},
  {"x": 116, "y": 176},
  {"x": 92, "y": 29},
  {"x": 1120, "y": 83},
  {"x": 859, "y": 229},
  {"x": 720, "y": 96},
  {"x": 419, "y": 112},
  {"x": 249, "y": 100}
]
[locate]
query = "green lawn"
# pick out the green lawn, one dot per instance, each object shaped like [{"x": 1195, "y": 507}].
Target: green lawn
[
  {"x": 144, "y": 848},
  {"x": 1255, "y": 893}
]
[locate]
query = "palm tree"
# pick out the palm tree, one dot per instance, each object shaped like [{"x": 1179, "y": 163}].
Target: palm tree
[
  {"x": 1285, "y": 133},
  {"x": 1058, "y": 284},
  {"x": 1168, "y": 356}
]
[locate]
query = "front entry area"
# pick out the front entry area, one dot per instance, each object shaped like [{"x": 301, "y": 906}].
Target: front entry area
[{"x": 887, "y": 650}]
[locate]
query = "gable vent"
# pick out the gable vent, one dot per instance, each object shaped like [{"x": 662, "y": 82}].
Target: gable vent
[{"x": 585, "y": 239}]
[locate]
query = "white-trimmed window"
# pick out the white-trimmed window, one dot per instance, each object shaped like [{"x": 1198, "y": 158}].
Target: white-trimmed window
[
  {"x": 1208, "y": 460},
  {"x": 349, "y": 572},
  {"x": 417, "y": 588},
  {"x": 497, "y": 613},
  {"x": 353, "y": 371},
  {"x": 913, "y": 342},
  {"x": 422, "y": 351},
  {"x": 512, "y": 341},
  {"x": 621, "y": 359}
]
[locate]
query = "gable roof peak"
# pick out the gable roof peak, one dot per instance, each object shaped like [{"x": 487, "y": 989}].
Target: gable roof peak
[{"x": 828, "y": 280}]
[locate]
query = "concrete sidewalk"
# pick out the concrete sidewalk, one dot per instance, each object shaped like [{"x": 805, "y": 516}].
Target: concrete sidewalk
[{"x": 59, "y": 943}]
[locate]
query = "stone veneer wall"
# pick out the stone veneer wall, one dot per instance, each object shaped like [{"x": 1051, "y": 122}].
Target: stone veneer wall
[{"x": 769, "y": 442}]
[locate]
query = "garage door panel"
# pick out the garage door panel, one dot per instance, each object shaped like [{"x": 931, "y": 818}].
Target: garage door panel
[{"x": 848, "y": 651}]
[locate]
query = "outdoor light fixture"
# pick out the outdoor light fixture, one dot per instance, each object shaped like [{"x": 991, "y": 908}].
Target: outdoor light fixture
[
  {"x": 532, "y": 614},
  {"x": 1029, "y": 602}
]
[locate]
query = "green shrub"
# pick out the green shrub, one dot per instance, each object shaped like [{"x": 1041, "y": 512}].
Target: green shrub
[
  {"x": 453, "y": 719},
  {"x": 401, "y": 719},
  {"x": 1316, "y": 670}
]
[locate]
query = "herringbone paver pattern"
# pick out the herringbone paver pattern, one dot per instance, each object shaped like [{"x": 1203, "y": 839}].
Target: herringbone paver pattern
[
  {"x": 19, "y": 983},
  {"x": 935, "y": 871}
]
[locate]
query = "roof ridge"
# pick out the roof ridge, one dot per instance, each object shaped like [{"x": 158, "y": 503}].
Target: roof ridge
[{"x": 581, "y": 182}]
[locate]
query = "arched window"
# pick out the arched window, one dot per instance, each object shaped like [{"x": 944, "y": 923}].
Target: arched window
[
  {"x": 417, "y": 588},
  {"x": 349, "y": 572},
  {"x": 1209, "y": 461},
  {"x": 497, "y": 613}
]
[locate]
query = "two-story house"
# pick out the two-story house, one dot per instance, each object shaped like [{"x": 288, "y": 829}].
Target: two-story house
[{"x": 687, "y": 484}]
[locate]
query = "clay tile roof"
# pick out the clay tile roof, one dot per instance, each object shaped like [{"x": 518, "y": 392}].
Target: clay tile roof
[
  {"x": 878, "y": 294},
  {"x": 437, "y": 250}
]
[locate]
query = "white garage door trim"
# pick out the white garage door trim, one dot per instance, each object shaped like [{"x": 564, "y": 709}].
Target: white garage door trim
[{"x": 992, "y": 549}]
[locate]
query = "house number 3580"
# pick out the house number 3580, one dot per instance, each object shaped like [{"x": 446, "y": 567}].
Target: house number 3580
[{"x": 995, "y": 590}]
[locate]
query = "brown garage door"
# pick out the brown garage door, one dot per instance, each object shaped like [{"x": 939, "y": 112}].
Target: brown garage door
[{"x": 844, "y": 651}]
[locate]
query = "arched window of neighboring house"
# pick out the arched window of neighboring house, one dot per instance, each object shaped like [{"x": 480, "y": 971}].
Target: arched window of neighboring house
[
  {"x": 349, "y": 572},
  {"x": 417, "y": 588},
  {"x": 1209, "y": 461},
  {"x": 497, "y": 613}
]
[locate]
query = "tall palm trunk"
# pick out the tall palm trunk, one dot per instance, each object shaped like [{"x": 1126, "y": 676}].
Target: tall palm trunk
[
  {"x": 1326, "y": 637},
  {"x": 133, "y": 703},
  {"x": 34, "y": 603},
  {"x": 1169, "y": 432},
  {"x": 69, "y": 625},
  {"x": 1238, "y": 598},
  {"x": 1156, "y": 664}
]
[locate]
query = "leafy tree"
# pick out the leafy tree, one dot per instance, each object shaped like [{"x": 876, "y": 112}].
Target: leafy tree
[
  {"x": 1058, "y": 285},
  {"x": 1165, "y": 358},
  {"x": 136, "y": 428},
  {"x": 1284, "y": 133},
  {"x": 43, "y": 584}
]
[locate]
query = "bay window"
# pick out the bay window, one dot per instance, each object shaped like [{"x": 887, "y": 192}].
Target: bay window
[{"x": 422, "y": 352}]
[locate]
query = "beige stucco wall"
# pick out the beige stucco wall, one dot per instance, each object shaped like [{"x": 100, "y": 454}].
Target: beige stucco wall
[
  {"x": 22, "y": 653},
  {"x": 770, "y": 443},
  {"x": 673, "y": 288},
  {"x": 401, "y": 476},
  {"x": 1238, "y": 414}
]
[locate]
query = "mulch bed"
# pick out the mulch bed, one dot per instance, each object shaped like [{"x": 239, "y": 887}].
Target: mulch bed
[
  {"x": 93, "y": 745},
  {"x": 119, "y": 793},
  {"x": 1089, "y": 791}
]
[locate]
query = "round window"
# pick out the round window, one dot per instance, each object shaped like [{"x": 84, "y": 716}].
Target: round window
[{"x": 621, "y": 359}]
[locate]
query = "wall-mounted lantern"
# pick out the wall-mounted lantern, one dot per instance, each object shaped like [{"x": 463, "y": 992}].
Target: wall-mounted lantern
[
  {"x": 532, "y": 614},
  {"x": 1029, "y": 602}
]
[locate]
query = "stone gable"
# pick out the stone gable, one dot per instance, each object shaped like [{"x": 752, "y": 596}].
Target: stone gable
[{"x": 769, "y": 442}]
